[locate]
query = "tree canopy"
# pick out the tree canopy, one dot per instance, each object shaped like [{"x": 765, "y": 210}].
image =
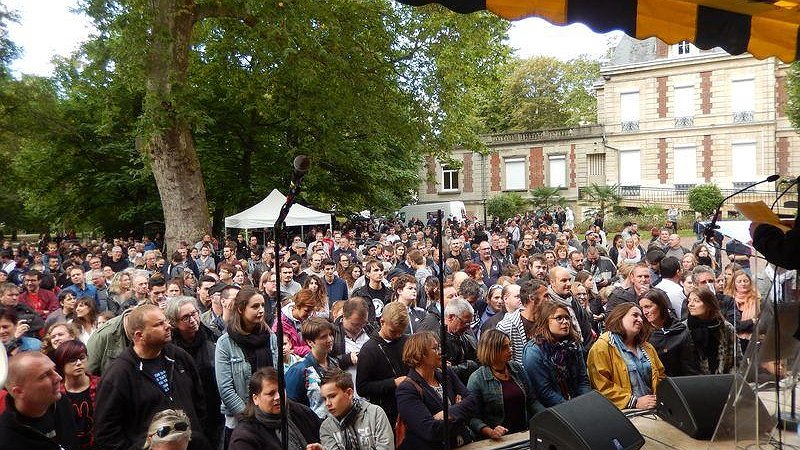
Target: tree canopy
[
  {"x": 704, "y": 198},
  {"x": 366, "y": 89},
  {"x": 544, "y": 92},
  {"x": 506, "y": 205}
]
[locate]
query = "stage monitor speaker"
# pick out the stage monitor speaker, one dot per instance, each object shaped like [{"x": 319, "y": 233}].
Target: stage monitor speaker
[
  {"x": 694, "y": 404},
  {"x": 588, "y": 422}
]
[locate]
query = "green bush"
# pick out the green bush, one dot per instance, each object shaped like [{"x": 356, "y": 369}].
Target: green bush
[
  {"x": 506, "y": 205},
  {"x": 704, "y": 198}
]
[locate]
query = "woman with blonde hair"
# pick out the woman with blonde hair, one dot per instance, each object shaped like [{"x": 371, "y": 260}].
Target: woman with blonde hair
[
  {"x": 169, "y": 430},
  {"x": 419, "y": 398},
  {"x": 748, "y": 305},
  {"x": 631, "y": 252},
  {"x": 119, "y": 289}
]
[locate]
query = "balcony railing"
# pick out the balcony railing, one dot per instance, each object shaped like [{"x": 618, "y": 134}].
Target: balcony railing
[
  {"x": 630, "y": 125},
  {"x": 683, "y": 122},
  {"x": 550, "y": 134},
  {"x": 743, "y": 117},
  {"x": 678, "y": 194}
]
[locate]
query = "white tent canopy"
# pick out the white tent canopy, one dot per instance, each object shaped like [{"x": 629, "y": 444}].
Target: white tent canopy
[{"x": 265, "y": 213}]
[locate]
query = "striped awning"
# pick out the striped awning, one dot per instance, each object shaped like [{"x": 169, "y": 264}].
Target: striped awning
[{"x": 763, "y": 28}]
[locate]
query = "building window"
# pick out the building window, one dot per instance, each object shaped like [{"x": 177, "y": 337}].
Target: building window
[
  {"x": 557, "y": 168},
  {"x": 743, "y": 100},
  {"x": 515, "y": 174},
  {"x": 743, "y": 162},
  {"x": 449, "y": 178},
  {"x": 685, "y": 164},
  {"x": 596, "y": 164},
  {"x": 683, "y": 47},
  {"x": 630, "y": 168},
  {"x": 684, "y": 106},
  {"x": 629, "y": 111}
]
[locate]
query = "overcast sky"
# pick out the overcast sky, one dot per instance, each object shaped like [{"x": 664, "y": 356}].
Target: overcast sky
[{"x": 48, "y": 27}]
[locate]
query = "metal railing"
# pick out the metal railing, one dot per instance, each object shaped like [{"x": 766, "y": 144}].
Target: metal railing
[
  {"x": 630, "y": 126},
  {"x": 550, "y": 134},
  {"x": 743, "y": 116},
  {"x": 678, "y": 194}
]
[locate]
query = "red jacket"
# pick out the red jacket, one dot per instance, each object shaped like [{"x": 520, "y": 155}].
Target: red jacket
[{"x": 48, "y": 302}]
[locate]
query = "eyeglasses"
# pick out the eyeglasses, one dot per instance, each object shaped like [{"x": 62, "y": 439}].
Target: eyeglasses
[
  {"x": 561, "y": 319},
  {"x": 188, "y": 318},
  {"x": 581, "y": 294},
  {"x": 164, "y": 431},
  {"x": 81, "y": 359},
  {"x": 467, "y": 321}
]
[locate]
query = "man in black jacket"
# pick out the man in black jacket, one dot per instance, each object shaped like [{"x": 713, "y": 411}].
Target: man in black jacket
[
  {"x": 351, "y": 332},
  {"x": 461, "y": 347},
  {"x": 37, "y": 416},
  {"x": 150, "y": 376},
  {"x": 380, "y": 361}
]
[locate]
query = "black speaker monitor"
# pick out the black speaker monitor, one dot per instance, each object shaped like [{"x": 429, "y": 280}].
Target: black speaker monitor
[
  {"x": 588, "y": 422},
  {"x": 694, "y": 404}
]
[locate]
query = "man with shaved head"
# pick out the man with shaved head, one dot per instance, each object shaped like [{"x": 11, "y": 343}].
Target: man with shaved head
[
  {"x": 560, "y": 293},
  {"x": 36, "y": 415}
]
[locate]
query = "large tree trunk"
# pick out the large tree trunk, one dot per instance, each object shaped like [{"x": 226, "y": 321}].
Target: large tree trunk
[{"x": 169, "y": 143}]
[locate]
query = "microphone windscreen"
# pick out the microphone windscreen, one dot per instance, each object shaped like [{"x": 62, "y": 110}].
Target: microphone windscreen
[
  {"x": 301, "y": 163},
  {"x": 772, "y": 178}
]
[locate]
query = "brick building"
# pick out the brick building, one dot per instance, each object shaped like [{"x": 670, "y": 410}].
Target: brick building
[{"x": 670, "y": 116}]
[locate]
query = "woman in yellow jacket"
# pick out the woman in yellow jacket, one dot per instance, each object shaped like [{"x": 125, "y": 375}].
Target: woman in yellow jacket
[{"x": 622, "y": 365}]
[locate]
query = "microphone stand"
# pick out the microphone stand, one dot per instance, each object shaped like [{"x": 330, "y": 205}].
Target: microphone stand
[
  {"x": 713, "y": 225},
  {"x": 443, "y": 334},
  {"x": 294, "y": 190}
]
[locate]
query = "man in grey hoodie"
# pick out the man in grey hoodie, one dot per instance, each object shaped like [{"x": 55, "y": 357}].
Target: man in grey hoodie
[{"x": 352, "y": 423}]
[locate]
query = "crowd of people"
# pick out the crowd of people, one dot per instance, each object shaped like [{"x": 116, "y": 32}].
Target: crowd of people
[{"x": 115, "y": 345}]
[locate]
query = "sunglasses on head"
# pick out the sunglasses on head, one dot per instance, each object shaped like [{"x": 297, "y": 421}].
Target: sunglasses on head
[{"x": 164, "y": 431}]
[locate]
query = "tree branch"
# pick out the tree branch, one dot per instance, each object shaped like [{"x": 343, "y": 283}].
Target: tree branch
[{"x": 217, "y": 9}]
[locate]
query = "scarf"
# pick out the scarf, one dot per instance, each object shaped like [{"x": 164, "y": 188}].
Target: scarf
[
  {"x": 347, "y": 426},
  {"x": 255, "y": 347},
  {"x": 705, "y": 335},
  {"x": 273, "y": 421},
  {"x": 561, "y": 355},
  {"x": 567, "y": 304}
]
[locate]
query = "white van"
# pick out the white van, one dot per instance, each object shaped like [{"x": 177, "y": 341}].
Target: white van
[{"x": 425, "y": 211}]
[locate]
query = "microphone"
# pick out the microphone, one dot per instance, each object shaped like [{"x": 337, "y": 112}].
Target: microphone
[
  {"x": 299, "y": 168},
  {"x": 713, "y": 225},
  {"x": 784, "y": 192}
]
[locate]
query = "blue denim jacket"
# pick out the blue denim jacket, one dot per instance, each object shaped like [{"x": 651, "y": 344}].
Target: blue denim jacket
[
  {"x": 233, "y": 373},
  {"x": 488, "y": 392},
  {"x": 541, "y": 375}
]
